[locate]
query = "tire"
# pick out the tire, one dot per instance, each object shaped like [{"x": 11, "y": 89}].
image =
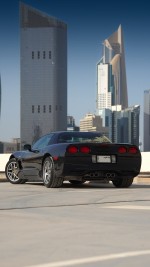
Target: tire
[
  {"x": 11, "y": 172},
  {"x": 123, "y": 182},
  {"x": 76, "y": 182},
  {"x": 49, "y": 176}
]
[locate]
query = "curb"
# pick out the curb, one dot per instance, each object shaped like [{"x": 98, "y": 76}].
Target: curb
[{"x": 3, "y": 177}]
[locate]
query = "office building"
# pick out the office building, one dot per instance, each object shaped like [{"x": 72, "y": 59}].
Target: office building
[
  {"x": 43, "y": 78},
  {"x": 92, "y": 123},
  {"x": 146, "y": 135}
]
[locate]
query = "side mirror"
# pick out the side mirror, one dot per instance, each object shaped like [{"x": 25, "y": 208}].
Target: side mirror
[{"x": 27, "y": 147}]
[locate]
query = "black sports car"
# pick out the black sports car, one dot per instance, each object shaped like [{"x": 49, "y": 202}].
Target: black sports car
[{"x": 75, "y": 157}]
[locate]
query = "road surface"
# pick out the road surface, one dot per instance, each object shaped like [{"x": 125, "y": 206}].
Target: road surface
[{"x": 87, "y": 226}]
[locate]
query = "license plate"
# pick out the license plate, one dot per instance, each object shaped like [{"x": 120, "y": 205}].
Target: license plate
[{"x": 104, "y": 159}]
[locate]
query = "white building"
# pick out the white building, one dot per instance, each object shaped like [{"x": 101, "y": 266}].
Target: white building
[{"x": 103, "y": 94}]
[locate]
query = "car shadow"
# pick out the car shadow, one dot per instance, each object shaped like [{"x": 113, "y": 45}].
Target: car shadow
[
  {"x": 95, "y": 185},
  {"x": 88, "y": 185}
]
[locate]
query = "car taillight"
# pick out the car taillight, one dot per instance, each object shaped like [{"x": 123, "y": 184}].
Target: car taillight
[
  {"x": 133, "y": 150},
  {"x": 122, "y": 149},
  {"x": 72, "y": 149},
  {"x": 55, "y": 158},
  {"x": 84, "y": 149}
]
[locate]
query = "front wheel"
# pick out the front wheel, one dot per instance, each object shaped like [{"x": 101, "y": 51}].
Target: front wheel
[
  {"x": 11, "y": 172},
  {"x": 123, "y": 182},
  {"x": 49, "y": 176}
]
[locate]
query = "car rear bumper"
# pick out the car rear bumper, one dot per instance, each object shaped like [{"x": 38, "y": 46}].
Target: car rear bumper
[
  {"x": 87, "y": 169},
  {"x": 98, "y": 175}
]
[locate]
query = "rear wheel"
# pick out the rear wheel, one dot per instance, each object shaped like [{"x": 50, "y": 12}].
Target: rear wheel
[
  {"x": 11, "y": 172},
  {"x": 49, "y": 176},
  {"x": 123, "y": 182}
]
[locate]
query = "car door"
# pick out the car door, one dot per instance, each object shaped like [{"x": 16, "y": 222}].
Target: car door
[{"x": 32, "y": 160}]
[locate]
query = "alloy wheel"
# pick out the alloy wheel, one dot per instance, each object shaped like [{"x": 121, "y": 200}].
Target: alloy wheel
[
  {"x": 12, "y": 171},
  {"x": 47, "y": 171}
]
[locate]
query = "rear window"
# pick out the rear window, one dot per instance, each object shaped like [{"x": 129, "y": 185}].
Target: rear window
[{"x": 77, "y": 137}]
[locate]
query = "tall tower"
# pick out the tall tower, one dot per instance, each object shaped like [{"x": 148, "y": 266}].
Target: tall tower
[
  {"x": 111, "y": 73},
  {"x": 146, "y": 139},
  {"x": 43, "y": 73},
  {"x": 0, "y": 96}
]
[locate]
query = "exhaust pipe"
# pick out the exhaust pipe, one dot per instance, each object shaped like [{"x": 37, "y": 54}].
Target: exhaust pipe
[
  {"x": 110, "y": 175},
  {"x": 94, "y": 174}
]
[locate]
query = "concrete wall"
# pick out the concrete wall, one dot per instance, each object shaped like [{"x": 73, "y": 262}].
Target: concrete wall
[
  {"x": 145, "y": 162},
  {"x": 144, "y": 168},
  {"x": 3, "y": 160}
]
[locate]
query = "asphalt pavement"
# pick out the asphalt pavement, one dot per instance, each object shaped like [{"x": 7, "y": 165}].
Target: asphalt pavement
[{"x": 91, "y": 225}]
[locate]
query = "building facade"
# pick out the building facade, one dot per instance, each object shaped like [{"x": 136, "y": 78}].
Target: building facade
[
  {"x": 43, "y": 55},
  {"x": 146, "y": 134}
]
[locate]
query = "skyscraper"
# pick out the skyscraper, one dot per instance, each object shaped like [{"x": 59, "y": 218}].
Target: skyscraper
[
  {"x": 111, "y": 73},
  {"x": 146, "y": 141},
  {"x": 43, "y": 66},
  {"x": 112, "y": 96},
  {"x": 0, "y": 95}
]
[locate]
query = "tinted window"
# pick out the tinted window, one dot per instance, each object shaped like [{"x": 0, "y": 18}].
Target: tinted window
[
  {"x": 42, "y": 142},
  {"x": 72, "y": 137}
]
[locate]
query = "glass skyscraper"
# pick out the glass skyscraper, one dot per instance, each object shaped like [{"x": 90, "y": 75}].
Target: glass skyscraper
[{"x": 43, "y": 78}]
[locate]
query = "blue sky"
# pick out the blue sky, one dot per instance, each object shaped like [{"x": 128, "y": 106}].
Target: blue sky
[{"x": 89, "y": 23}]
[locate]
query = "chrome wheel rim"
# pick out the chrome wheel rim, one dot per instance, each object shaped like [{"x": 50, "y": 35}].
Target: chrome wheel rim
[
  {"x": 47, "y": 171},
  {"x": 12, "y": 172}
]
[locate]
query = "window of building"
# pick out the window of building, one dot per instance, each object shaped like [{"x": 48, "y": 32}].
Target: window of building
[
  {"x": 50, "y": 109},
  {"x": 44, "y": 55},
  {"x": 44, "y": 109},
  {"x": 32, "y": 54},
  {"x": 50, "y": 55},
  {"x": 32, "y": 109},
  {"x": 38, "y": 108},
  {"x": 38, "y": 54}
]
